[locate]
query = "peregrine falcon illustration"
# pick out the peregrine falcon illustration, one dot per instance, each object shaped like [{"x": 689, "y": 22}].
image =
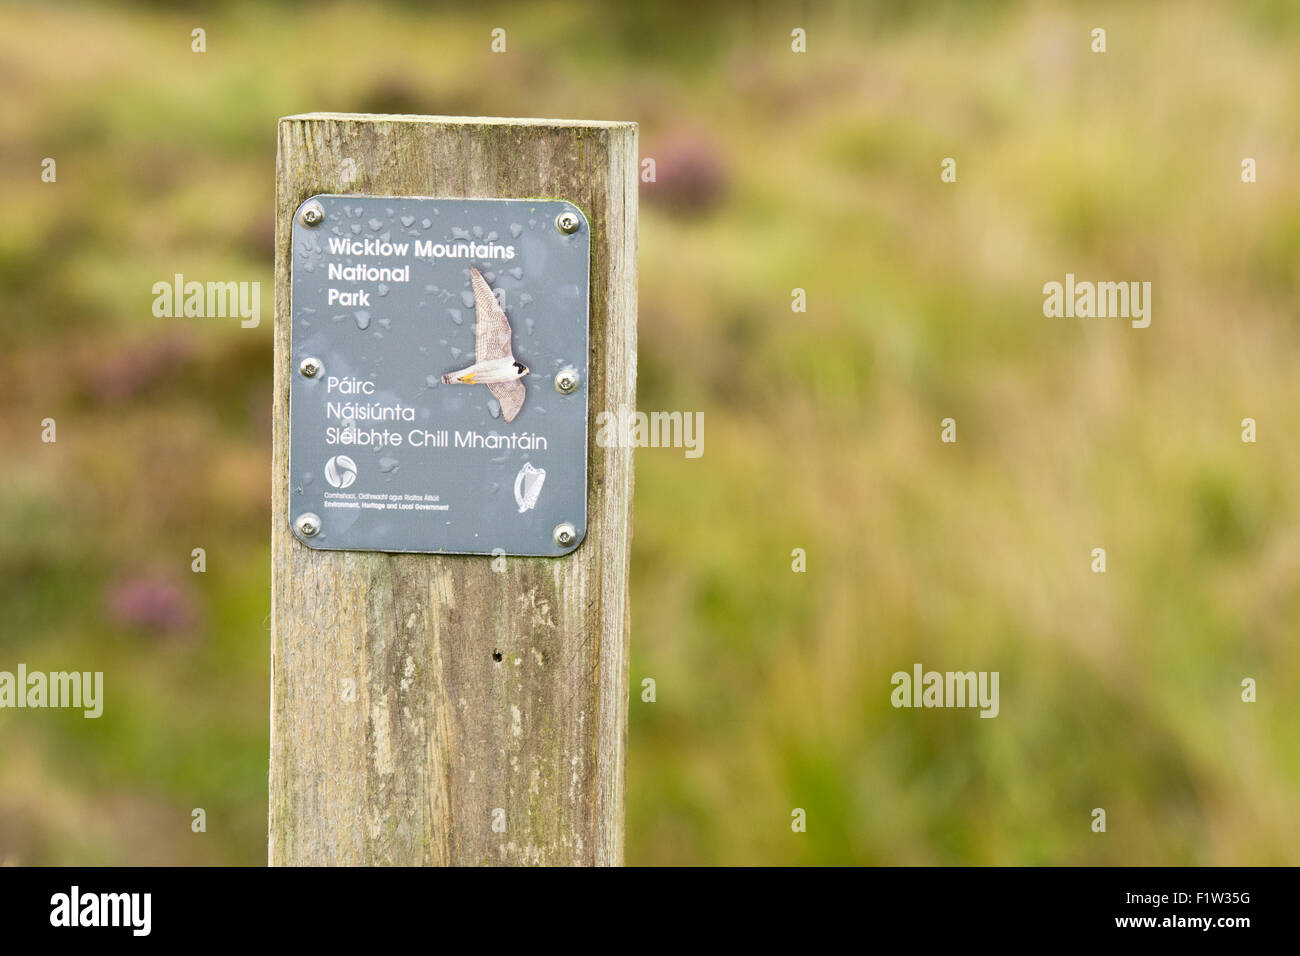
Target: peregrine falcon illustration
[{"x": 495, "y": 364}]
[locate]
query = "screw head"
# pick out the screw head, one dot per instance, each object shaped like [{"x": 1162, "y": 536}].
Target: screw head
[
  {"x": 312, "y": 214},
  {"x": 310, "y": 367},
  {"x": 566, "y": 381},
  {"x": 568, "y": 222},
  {"x": 307, "y": 525},
  {"x": 565, "y": 534}
]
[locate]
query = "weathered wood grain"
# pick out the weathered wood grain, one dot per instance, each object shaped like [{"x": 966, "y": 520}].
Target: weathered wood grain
[{"x": 440, "y": 734}]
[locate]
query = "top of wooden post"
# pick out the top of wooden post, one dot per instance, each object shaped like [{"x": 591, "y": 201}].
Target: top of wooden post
[{"x": 460, "y": 120}]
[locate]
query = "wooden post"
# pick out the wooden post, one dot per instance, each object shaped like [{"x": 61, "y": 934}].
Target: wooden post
[{"x": 396, "y": 736}]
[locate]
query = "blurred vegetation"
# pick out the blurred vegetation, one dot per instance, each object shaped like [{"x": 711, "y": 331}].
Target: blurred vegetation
[{"x": 776, "y": 171}]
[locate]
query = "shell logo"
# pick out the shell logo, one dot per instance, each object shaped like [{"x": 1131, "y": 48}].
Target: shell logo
[{"x": 340, "y": 471}]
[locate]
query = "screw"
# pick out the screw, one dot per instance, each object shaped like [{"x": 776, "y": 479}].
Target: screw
[
  {"x": 567, "y": 222},
  {"x": 310, "y": 367},
  {"x": 307, "y": 525},
  {"x": 565, "y": 534},
  {"x": 313, "y": 214},
  {"x": 566, "y": 381}
]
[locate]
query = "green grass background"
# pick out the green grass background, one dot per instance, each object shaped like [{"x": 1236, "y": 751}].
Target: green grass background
[{"x": 776, "y": 170}]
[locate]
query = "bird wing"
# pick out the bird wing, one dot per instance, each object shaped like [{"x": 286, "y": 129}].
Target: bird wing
[
  {"x": 492, "y": 337},
  {"x": 511, "y": 396}
]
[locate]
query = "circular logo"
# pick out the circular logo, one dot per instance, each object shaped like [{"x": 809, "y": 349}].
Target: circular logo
[{"x": 340, "y": 471}]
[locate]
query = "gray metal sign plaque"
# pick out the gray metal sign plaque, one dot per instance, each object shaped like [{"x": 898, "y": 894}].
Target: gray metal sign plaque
[{"x": 438, "y": 397}]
